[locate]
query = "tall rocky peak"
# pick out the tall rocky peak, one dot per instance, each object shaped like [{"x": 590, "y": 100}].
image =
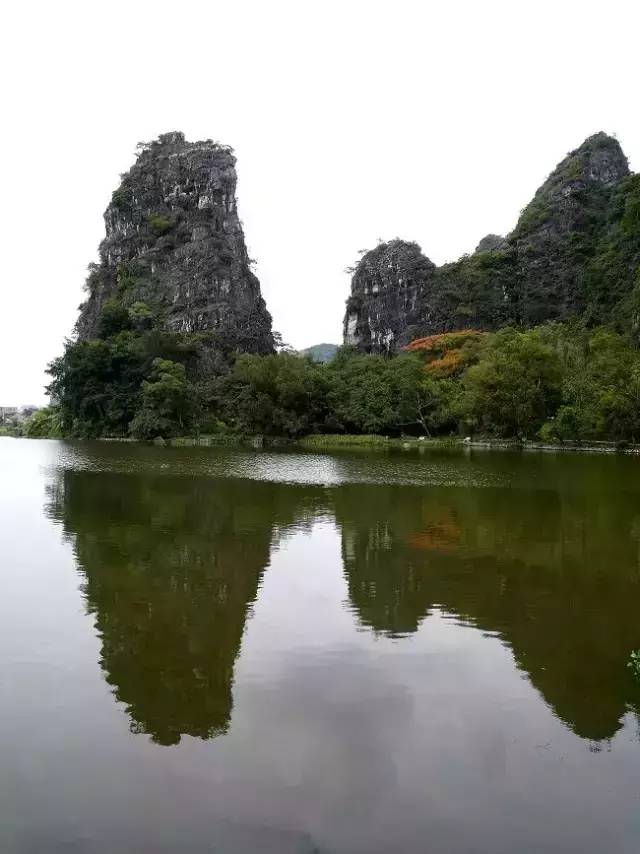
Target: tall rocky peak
[
  {"x": 597, "y": 165},
  {"x": 174, "y": 247},
  {"x": 575, "y": 251},
  {"x": 389, "y": 289},
  {"x": 575, "y": 190},
  {"x": 557, "y": 234}
]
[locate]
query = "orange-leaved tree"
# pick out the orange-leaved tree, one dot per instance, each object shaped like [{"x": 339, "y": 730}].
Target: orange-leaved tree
[{"x": 448, "y": 354}]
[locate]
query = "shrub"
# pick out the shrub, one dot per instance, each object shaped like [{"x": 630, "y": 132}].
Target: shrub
[
  {"x": 114, "y": 318},
  {"x": 159, "y": 223},
  {"x": 121, "y": 199},
  {"x": 45, "y": 423}
]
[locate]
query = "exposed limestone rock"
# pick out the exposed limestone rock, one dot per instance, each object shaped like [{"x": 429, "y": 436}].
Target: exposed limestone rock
[
  {"x": 491, "y": 242},
  {"x": 388, "y": 292},
  {"x": 556, "y": 237},
  {"x": 574, "y": 252},
  {"x": 174, "y": 247}
]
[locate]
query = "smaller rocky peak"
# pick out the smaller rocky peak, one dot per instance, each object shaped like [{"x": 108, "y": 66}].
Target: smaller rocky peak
[
  {"x": 391, "y": 264},
  {"x": 388, "y": 289},
  {"x": 492, "y": 243},
  {"x": 174, "y": 137},
  {"x": 601, "y": 159}
]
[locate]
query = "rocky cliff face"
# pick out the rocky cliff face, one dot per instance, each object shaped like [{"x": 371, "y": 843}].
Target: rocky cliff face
[
  {"x": 174, "y": 248},
  {"x": 557, "y": 233},
  {"x": 574, "y": 252},
  {"x": 389, "y": 291}
]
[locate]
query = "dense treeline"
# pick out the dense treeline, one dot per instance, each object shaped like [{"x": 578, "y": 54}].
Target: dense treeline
[{"x": 558, "y": 382}]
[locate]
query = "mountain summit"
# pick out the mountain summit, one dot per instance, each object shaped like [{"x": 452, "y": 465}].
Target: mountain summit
[
  {"x": 575, "y": 252},
  {"x": 174, "y": 248}
]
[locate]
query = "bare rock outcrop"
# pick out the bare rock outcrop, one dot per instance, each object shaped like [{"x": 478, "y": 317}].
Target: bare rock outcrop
[
  {"x": 574, "y": 253},
  {"x": 175, "y": 248}
]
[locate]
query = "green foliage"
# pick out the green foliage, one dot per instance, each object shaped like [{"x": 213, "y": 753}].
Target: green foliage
[
  {"x": 477, "y": 290},
  {"x": 423, "y": 402},
  {"x": 600, "y": 385},
  {"x": 45, "y": 423},
  {"x": 531, "y": 217},
  {"x": 565, "y": 425},
  {"x": 127, "y": 277},
  {"x": 515, "y": 386},
  {"x": 159, "y": 223},
  {"x": 287, "y": 395},
  {"x": 604, "y": 391},
  {"x": 168, "y": 402},
  {"x": 328, "y": 441},
  {"x": 102, "y": 385},
  {"x": 634, "y": 663},
  {"x": 12, "y": 430},
  {"x": 121, "y": 199},
  {"x": 361, "y": 395},
  {"x": 562, "y": 382},
  {"x": 280, "y": 394},
  {"x": 371, "y": 394},
  {"x": 97, "y": 384},
  {"x": 614, "y": 271},
  {"x": 114, "y": 318},
  {"x": 140, "y": 315}
]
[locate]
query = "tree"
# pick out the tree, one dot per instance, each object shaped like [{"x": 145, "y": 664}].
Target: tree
[
  {"x": 602, "y": 390},
  {"x": 169, "y": 403},
  {"x": 45, "y": 423},
  {"x": 97, "y": 384},
  {"x": 360, "y": 396},
  {"x": 423, "y": 401},
  {"x": 281, "y": 394},
  {"x": 515, "y": 386},
  {"x": 114, "y": 318}
]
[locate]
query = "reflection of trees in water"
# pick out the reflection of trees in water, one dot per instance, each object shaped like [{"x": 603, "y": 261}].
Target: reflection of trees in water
[
  {"x": 556, "y": 575},
  {"x": 172, "y": 566}
]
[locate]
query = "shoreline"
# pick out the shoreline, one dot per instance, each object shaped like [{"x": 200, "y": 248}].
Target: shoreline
[
  {"x": 321, "y": 443},
  {"x": 338, "y": 442}
]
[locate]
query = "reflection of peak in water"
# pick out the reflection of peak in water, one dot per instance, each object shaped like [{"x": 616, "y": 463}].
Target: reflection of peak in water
[
  {"x": 171, "y": 567},
  {"x": 555, "y": 574}
]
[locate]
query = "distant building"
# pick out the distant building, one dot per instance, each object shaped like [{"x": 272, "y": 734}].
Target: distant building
[
  {"x": 13, "y": 415},
  {"x": 8, "y": 414}
]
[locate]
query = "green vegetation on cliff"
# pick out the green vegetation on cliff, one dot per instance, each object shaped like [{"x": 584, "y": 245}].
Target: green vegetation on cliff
[
  {"x": 174, "y": 252},
  {"x": 573, "y": 255}
]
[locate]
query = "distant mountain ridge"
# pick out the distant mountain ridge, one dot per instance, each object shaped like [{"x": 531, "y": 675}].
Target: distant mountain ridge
[
  {"x": 321, "y": 352},
  {"x": 574, "y": 253}
]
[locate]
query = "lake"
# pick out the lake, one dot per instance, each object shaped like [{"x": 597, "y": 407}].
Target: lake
[{"x": 240, "y": 651}]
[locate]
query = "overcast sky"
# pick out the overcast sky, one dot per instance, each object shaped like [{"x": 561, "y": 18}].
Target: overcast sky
[{"x": 351, "y": 121}]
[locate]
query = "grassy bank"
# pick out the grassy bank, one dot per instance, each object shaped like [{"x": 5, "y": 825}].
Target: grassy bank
[{"x": 335, "y": 441}]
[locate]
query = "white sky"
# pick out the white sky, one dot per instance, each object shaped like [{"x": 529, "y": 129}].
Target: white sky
[{"x": 351, "y": 121}]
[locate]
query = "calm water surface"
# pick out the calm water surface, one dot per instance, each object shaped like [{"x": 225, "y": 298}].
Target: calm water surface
[{"x": 223, "y": 651}]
